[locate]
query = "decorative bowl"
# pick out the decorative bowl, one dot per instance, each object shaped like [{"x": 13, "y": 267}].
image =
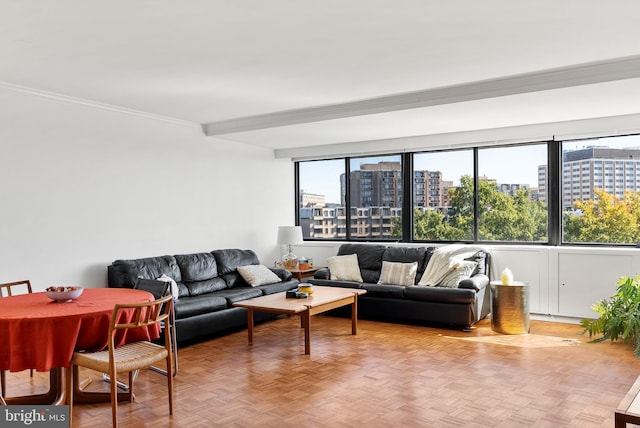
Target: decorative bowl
[
  {"x": 307, "y": 288},
  {"x": 63, "y": 294}
]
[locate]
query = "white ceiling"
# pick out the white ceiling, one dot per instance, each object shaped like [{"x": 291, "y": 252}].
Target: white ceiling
[{"x": 208, "y": 61}]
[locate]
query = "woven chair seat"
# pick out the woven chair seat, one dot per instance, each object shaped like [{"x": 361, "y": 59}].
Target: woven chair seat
[{"x": 128, "y": 357}]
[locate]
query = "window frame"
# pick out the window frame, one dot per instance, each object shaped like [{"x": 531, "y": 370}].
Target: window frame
[{"x": 554, "y": 194}]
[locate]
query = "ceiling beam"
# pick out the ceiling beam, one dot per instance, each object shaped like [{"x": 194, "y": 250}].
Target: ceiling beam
[{"x": 555, "y": 78}]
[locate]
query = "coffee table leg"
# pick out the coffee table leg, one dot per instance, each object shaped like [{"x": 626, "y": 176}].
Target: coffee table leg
[
  {"x": 250, "y": 325},
  {"x": 354, "y": 315},
  {"x": 306, "y": 322}
]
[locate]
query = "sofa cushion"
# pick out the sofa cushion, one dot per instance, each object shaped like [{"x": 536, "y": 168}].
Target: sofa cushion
[
  {"x": 376, "y": 290},
  {"x": 238, "y": 294},
  {"x": 369, "y": 256},
  {"x": 463, "y": 270},
  {"x": 283, "y": 274},
  {"x": 197, "y": 267},
  {"x": 440, "y": 294},
  {"x": 345, "y": 268},
  {"x": 124, "y": 273},
  {"x": 407, "y": 255},
  {"x": 197, "y": 288},
  {"x": 330, "y": 283},
  {"x": 195, "y": 305},
  {"x": 396, "y": 273},
  {"x": 257, "y": 275},
  {"x": 278, "y": 287},
  {"x": 229, "y": 260}
]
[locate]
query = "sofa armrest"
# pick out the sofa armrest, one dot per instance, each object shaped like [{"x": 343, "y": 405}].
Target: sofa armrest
[
  {"x": 283, "y": 274},
  {"x": 476, "y": 282},
  {"x": 322, "y": 274}
]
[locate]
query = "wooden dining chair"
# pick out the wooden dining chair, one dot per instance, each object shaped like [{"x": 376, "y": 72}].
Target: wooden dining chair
[
  {"x": 11, "y": 289},
  {"x": 161, "y": 289},
  {"x": 130, "y": 357}
]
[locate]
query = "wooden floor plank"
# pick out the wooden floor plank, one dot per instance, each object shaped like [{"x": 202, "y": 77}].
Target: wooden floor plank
[{"x": 386, "y": 375}]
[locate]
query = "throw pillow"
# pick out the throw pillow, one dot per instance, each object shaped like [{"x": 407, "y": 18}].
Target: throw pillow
[
  {"x": 256, "y": 275},
  {"x": 395, "y": 273},
  {"x": 462, "y": 271},
  {"x": 345, "y": 268},
  {"x": 175, "y": 292}
]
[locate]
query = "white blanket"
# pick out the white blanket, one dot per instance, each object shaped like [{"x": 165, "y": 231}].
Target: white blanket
[{"x": 444, "y": 260}]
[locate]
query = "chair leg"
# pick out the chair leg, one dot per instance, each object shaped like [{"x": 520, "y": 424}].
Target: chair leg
[
  {"x": 3, "y": 383},
  {"x": 170, "y": 383},
  {"x": 131, "y": 378},
  {"x": 114, "y": 399}
]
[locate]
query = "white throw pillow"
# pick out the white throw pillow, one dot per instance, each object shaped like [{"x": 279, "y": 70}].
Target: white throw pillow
[
  {"x": 462, "y": 271},
  {"x": 175, "y": 292},
  {"x": 345, "y": 268},
  {"x": 258, "y": 275},
  {"x": 395, "y": 273}
]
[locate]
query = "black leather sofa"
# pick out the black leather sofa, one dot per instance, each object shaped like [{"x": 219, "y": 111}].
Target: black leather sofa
[
  {"x": 459, "y": 307},
  {"x": 208, "y": 285}
]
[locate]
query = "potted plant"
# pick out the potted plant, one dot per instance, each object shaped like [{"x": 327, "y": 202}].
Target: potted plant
[{"x": 619, "y": 316}]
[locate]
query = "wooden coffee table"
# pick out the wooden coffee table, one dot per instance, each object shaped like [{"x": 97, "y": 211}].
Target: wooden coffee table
[{"x": 322, "y": 300}]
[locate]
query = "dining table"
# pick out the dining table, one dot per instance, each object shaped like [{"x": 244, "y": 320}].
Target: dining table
[{"x": 39, "y": 333}]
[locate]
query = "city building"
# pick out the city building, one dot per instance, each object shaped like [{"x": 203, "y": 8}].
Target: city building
[{"x": 614, "y": 170}]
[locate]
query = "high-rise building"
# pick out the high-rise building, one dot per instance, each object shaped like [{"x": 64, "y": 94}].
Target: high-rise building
[
  {"x": 380, "y": 185},
  {"x": 377, "y": 184},
  {"x": 614, "y": 170}
]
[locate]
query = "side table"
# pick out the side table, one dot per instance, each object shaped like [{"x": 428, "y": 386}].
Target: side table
[
  {"x": 510, "y": 307},
  {"x": 300, "y": 274}
]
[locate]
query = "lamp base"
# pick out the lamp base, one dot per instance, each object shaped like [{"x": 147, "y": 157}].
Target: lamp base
[{"x": 290, "y": 261}]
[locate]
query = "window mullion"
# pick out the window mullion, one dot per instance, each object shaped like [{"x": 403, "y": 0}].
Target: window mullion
[{"x": 476, "y": 197}]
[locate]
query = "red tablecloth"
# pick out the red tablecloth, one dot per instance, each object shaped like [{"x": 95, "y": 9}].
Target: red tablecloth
[{"x": 38, "y": 333}]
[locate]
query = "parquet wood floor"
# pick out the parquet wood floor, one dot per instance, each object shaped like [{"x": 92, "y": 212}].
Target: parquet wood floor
[{"x": 389, "y": 375}]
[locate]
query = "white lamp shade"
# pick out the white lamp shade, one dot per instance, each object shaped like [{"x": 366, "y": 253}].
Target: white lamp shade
[{"x": 290, "y": 235}]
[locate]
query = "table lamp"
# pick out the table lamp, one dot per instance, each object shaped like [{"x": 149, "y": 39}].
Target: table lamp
[{"x": 289, "y": 236}]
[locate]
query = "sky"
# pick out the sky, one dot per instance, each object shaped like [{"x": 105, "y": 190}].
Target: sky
[
  {"x": 506, "y": 165},
  {"x": 513, "y": 165}
]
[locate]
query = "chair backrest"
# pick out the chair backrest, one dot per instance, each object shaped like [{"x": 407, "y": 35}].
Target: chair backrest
[
  {"x": 10, "y": 288},
  {"x": 145, "y": 314},
  {"x": 156, "y": 287}
]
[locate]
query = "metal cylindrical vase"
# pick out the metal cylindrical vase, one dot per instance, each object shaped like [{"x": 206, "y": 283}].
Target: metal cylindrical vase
[{"x": 510, "y": 308}]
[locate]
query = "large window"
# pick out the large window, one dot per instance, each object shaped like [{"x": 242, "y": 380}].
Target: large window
[
  {"x": 375, "y": 192},
  {"x": 601, "y": 190},
  {"x": 375, "y": 196},
  {"x": 321, "y": 207},
  {"x": 510, "y": 207},
  {"x": 443, "y": 201},
  {"x": 573, "y": 192}
]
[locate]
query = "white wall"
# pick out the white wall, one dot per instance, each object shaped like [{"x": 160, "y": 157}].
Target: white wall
[
  {"x": 82, "y": 186},
  {"x": 564, "y": 281}
]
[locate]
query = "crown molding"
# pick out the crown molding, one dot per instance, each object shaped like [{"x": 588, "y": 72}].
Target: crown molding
[
  {"x": 555, "y": 78},
  {"x": 94, "y": 104}
]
